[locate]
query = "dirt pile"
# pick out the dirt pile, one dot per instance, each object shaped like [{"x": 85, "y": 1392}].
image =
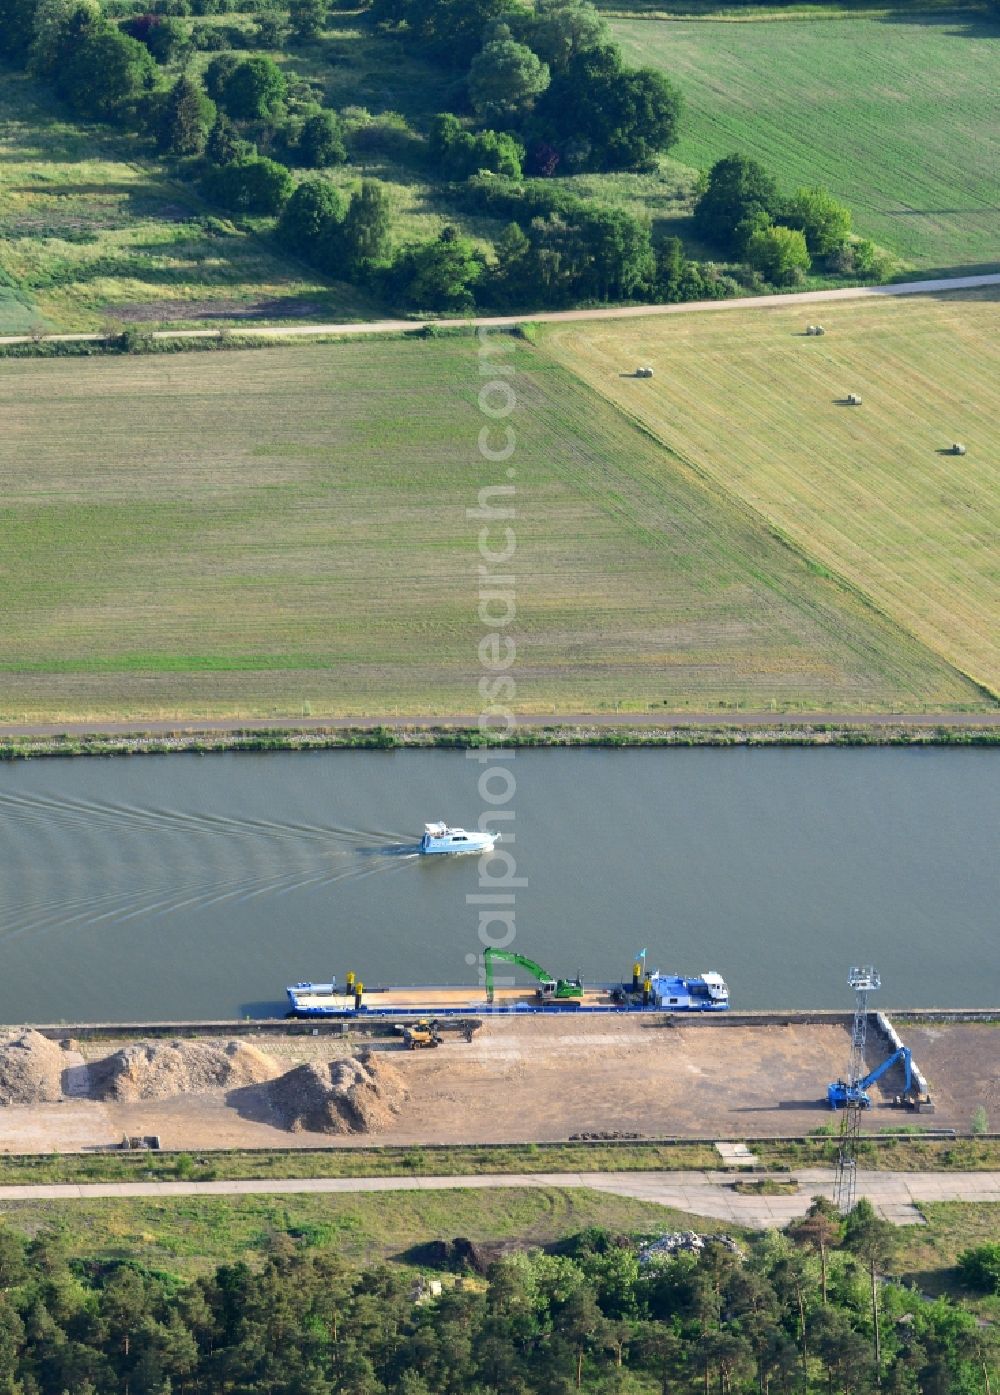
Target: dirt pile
[
  {"x": 157, "y": 1070},
  {"x": 362, "y": 1094},
  {"x": 31, "y": 1068}
]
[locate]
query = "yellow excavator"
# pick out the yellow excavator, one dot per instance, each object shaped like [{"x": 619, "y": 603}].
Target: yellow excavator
[{"x": 421, "y": 1034}]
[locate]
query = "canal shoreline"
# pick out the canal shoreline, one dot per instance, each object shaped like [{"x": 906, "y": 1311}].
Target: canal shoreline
[
  {"x": 384, "y": 1025},
  {"x": 532, "y": 732}
]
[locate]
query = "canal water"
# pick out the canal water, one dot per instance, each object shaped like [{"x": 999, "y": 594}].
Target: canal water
[{"x": 198, "y": 886}]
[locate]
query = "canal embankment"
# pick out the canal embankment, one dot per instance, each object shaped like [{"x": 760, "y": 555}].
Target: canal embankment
[{"x": 607, "y": 731}]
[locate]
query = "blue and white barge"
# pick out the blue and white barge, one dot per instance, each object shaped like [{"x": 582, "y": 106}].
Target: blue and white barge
[{"x": 654, "y": 992}]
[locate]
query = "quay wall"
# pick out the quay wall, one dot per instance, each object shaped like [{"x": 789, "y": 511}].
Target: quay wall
[{"x": 879, "y": 1022}]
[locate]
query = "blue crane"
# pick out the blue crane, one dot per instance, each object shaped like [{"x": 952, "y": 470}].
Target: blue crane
[{"x": 842, "y": 1092}]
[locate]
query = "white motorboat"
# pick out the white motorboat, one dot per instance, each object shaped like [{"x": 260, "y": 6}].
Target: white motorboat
[{"x": 439, "y": 838}]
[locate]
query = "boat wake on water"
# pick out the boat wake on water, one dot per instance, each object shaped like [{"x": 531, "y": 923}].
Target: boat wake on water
[
  {"x": 272, "y": 859},
  {"x": 61, "y": 810}
]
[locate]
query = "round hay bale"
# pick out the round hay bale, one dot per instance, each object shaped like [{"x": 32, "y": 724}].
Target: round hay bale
[
  {"x": 958, "y": 448},
  {"x": 853, "y": 399}
]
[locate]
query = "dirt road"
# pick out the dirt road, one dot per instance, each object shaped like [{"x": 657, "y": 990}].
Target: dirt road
[
  {"x": 614, "y": 312},
  {"x": 895, "y": 1194}
]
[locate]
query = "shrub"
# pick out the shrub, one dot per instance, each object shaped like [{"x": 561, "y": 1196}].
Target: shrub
[
  {"x": 736, "y": 190},
  {"x": 438, "y": 274},
  {"x": 310, "y": 222},
  {"x": 308, "y": 18},
  {"x": 825, "y": 222},
  {"x": 870, "y": 262},
  {"x": 254, "y": 90},
  {"x": 209, "y": 38},
  {"x": 980, "y": 1267},
  {"x": 135, "y": 340},
  {"x": 162, "y": 36},
  {"x": 253, "y": 185},
  {"x": 779, "y": 253},
  {"x": 218, "y": 73},
  {"x": 321, "y": 141},
  {"x": 270, "y": 31},
  {"x": 459, "y": 153}
]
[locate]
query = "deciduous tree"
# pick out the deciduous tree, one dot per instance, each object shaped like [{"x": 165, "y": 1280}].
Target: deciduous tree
[
  {"x": 321, "y": 141},
  {"x": 873, "y": 1240},
  {"x": 307, "y": 19},
  {"x": 505, "y": 79},
  {"x": 825, "y": 222},
  {"x": 254, "y": 90},
  {"x": 737, "y": 188}
]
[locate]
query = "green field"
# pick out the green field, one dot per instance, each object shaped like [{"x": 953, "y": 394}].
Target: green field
[
  {"x": 190, "y": 1235},
  {"x": 900, "y": 119},
  {"x": 91, "y": 230},
  {"x": 865, "y": 492},
  {"x": 284, "y": 531}
]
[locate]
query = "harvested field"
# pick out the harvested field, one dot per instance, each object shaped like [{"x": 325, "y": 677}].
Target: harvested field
[
  {"x": 867, "y": 494},
  {"x": 530, "y": 1080},
  {"x": 161, "y": 1070},
  {"x": 248, "y": 566},
  {"x": 31, "y": 1068}
]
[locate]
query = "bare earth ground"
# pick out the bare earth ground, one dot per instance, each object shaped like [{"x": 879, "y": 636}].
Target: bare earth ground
[
  {"x": 967, "y": 1056},
  {"x": 545, "y": 1080}
]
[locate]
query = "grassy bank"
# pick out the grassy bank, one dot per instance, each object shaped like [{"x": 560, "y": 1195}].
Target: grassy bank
[
  {"x": 190, "y": 1235},
  {"x": 92, "y": 228},
  {"x": 927, "y": 1254},
  {"x": 896, "y": 1153},
  {"x": 402, "y": 737}
]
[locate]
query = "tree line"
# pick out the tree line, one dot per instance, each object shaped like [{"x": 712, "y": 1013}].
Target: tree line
[
  {"x": 539, "y": 91},
  {"x": 794, "y": 1314}
]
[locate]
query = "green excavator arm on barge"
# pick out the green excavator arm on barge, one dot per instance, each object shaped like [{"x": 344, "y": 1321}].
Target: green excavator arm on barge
[{"x": 549, "y": 988}]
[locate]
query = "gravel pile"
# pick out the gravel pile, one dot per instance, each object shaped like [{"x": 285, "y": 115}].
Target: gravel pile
[
  {"x": 362, "y": 1094},
  {"x": 31, "y": 1068},
  {"x": 159, "y": 1070}
]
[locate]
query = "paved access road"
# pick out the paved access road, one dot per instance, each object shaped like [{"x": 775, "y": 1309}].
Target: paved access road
[
  {"x": 612, "y": 312},
  {"x": 709, "y": 1194}
]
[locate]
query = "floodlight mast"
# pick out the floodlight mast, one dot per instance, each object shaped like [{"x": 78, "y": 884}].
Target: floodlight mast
[{"x": 864, "y": 979}]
